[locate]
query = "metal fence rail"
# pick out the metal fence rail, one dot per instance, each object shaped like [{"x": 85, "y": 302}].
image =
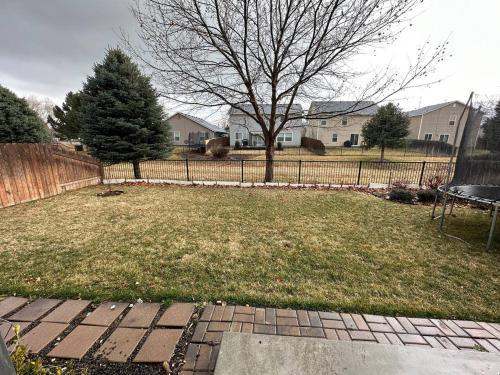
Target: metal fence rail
[{"x": 288, "y": 171}]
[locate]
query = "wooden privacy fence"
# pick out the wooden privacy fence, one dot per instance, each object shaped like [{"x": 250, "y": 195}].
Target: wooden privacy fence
[{"x": 34, "y": 171}]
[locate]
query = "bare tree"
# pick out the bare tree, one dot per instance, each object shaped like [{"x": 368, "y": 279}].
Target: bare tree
[
  {"x": 273, "y": 52},
  {"x": 42, "y": 106}
]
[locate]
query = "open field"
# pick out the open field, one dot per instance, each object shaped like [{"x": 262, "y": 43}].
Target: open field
[{"x": 314, "y": 249}]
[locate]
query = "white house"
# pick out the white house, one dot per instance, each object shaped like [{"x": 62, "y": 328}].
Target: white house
[{"x": 246, "y": 131}]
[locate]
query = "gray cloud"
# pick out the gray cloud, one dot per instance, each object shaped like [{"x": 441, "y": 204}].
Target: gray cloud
[{"x": 48, "y": 47}]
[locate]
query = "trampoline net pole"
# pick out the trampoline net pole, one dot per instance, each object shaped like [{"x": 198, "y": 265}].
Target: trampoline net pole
[{"x": 492, "y": 228}]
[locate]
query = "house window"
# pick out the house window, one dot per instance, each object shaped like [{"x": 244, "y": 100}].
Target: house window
[
  {"x": 334, "y": 137},
  {"x": 285, "y": 137},
  {"x": 257, "y": 139},
  {"x": 453, "y": 119},
  {"x": 238, "y": 136},
  {"x": 203, "y": 136},
  {"x": 354, "y": 139},
  {"x": 428, "y": 137},
  {"x": 443, "y": 138},
  {"x": 176, "y": 136},
  {"x": 323, "y": 122},
  {"x": 344, "y": 120}
]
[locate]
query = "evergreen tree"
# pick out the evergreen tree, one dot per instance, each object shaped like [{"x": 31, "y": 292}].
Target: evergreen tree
[
  {"x": 67, "y": 119},
  {"x": 18, "y": 122},
  {"x": 121, "y": 116},
  {"x": 491, "y": 131},
  {"x": 387, "y": 128}
]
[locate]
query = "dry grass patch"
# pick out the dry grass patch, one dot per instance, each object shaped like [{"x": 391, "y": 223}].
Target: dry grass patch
[{"x": 315, "y": 249}]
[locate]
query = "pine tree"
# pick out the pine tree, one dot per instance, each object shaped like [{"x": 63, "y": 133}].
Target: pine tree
[
  {"x": 67, "y": 119},
  {"x": 387, "y": 128},
  {"x": 491, "y": 131},
  {"x": 121, "y": 116},
  {"x": 18, "y": 122}
]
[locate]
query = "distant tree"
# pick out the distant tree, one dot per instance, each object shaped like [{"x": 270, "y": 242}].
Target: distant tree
[
  {"x": 491, "y": 131},
  {"x": 387, "y": 128},
  {"x": 67, "y": 121},
  {"x": 18, "y": 122},
  {"x": 42, "y": 106},
  {"x": 233, "y": 53},
  {"x": 121, "y": 116}
]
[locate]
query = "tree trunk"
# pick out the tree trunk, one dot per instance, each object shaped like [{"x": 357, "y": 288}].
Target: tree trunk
[
  {"x": 382, "y": 151},
  {"x": 137, "y": 169},
  {"x": 269, "y": 161}
]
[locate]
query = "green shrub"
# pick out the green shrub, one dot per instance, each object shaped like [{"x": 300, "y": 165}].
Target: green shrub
[
  {"x": 279, "y": 146},
  {"x": 427, "y": 195},
  {"x": 220, "y": 152},
  {"x": 402, "y": 196},
  {"x": 237, "y": 145}
]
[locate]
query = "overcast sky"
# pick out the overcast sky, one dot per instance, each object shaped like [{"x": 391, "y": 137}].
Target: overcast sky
[{"x": 48, "y": 47}]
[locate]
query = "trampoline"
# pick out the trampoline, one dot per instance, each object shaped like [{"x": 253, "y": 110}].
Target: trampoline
[{"x": 475, "y": 176}]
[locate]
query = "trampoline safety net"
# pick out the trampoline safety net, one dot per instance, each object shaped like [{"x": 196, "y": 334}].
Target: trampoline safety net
[{"x": 478, "y": 157}]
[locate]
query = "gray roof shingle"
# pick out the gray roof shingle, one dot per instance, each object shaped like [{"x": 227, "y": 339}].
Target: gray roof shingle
[
  {"x": 266, "y": 108},
  {"x": 365, "y": 108},
  {"x": 429, "y": 108},
  {"x": 201, "y": 122}
]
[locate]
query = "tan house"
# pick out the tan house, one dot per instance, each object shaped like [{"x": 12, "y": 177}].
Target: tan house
[
  {"x": 350, "y": 116},
  {"x": 191, "y": 130},
  {"x": 439, "y": 122}
]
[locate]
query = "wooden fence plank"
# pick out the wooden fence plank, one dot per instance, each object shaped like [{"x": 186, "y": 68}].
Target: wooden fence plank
[{"x": 33, "y": 171}]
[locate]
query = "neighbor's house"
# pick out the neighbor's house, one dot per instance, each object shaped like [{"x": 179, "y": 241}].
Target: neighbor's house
[
  {"x": 246, "y": 131},
  {"x": 335, "y": 131},
  {"x": 191, "y": 130},
  {"x": 438, "y": 122}
]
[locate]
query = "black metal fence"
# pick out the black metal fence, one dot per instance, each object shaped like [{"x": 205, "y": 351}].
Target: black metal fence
[{"x": 285, "y": 171}]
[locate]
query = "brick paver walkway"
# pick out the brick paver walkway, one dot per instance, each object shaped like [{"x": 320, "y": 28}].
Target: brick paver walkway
[{"x": 149, "y": 332}]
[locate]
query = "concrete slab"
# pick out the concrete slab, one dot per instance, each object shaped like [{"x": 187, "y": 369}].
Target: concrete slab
[
  {"x": 159, "y": 346},
  {"x": 35, "y": 310},
  {"x": 41, "y": 336},
  {"x": 120, "y": 345},
  {"x": 274, "y": 355},
  {"x": 177, "y": 315},
  {"x": 105, "y": 314},
  {"x": 10, "y": 304},
  {"x": 7, "y": 329},
  {"x": 78, "y": 342},
  {"x": 140, "y": 315},
  {"x": 67, "y": 311}
]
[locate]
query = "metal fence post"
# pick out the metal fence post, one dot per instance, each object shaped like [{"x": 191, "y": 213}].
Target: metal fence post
[
  {"x": 421, "y": 174},
  {"x": 359, "y": 172},
  {"x": 242, "y": 170},
  {"x": 187, "y": 169},
  {"x": 300, "y": 170}
]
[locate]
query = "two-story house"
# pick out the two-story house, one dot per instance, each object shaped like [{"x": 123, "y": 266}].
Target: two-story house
[
  {"x": 246, "y": 131},
  {"x": 335, "y": 122},
  {"x": 438, "y": 122},
  {"x": 191, "y": 130}
]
